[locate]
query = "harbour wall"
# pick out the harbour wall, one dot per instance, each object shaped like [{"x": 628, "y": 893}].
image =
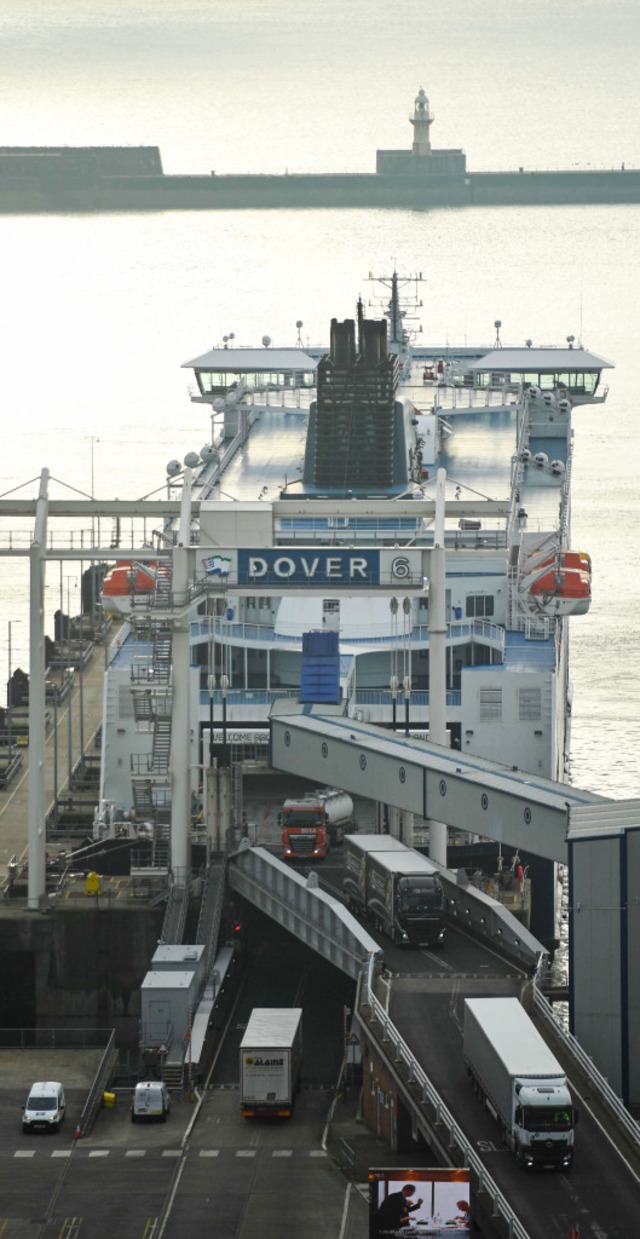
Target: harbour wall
[
  {"x": 76, "y": 966},
  {"x": 53, "y": 194}
]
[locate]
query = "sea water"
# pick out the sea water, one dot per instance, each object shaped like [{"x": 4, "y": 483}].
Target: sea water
[{"x": 100, "y": 311}]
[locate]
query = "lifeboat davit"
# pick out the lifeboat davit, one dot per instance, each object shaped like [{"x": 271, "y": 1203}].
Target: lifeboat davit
[
  {"x": 124, "y": 581},
  {"x": 561, "y": 591}
]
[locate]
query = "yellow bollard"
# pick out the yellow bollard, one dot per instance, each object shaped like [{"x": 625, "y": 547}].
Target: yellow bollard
[{"x": 92, "y": 885}]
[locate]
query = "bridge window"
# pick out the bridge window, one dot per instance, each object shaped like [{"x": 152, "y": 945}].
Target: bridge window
[{"x": 479, "y": 606}]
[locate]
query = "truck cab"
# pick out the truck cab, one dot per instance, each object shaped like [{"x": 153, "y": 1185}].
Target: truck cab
[
  {"x": 313, "y": 823},
  {"x": 543, "y": 1123}
]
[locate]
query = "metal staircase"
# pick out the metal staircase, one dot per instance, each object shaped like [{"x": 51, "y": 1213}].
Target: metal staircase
[
  {"x": 175, "y": 917},
  {"x": 151, "y": 772}
]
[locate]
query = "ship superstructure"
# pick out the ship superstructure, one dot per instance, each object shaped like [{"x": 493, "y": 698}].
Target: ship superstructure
[{"x": 302, "y": 438}]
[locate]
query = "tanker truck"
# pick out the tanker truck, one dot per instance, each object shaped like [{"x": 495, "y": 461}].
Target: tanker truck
[
  {"x": 520, "y": 1081},
  {"x": 315, "y": 823},
  {"x": 396, "y": 888}
]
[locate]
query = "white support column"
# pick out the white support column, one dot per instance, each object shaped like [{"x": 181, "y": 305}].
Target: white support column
[
  {"x": 437, "y": 656},
  {"x": 37, "y": 833},
  {"x": 180, "y": 715},
  {"x": 406, "y": 827},
  {"x": 394, "y": 821}
]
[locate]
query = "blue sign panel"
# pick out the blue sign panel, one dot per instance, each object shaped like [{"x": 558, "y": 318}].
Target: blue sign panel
[{"x": 309, "y": 567}]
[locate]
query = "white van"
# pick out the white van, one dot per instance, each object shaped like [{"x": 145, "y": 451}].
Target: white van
[
  {"x": 150, "y": 1101},
  {"x": 45, "y": 1108}
]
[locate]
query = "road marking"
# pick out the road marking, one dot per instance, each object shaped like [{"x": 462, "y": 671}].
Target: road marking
[
  {"x": 282, "y": 1153},
  {"x": 245, "y": 1152},
  {"x": 171, "y": 1152},
  {"x": 70, "y": 1228},
  {"x": 209, "y": 1152},
  {"x": 99, "y": 1152},
  {"x": 318, "y": 1153},
  {"x": 24, "y": 1153},
  {"x": 62, "y": 1153},
  {"x": 135, "y": 1153}
]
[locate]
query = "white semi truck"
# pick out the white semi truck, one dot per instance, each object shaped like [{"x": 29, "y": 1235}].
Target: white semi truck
[
  {"x": 270, "y": 1054},
  {"x": 521, "y": 1082}
]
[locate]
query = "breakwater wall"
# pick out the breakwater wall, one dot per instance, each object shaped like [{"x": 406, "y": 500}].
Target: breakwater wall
[{"x": 53, "y": 194}]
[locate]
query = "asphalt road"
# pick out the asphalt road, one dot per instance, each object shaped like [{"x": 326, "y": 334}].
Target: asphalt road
[{"x": 206, "y": 1170}]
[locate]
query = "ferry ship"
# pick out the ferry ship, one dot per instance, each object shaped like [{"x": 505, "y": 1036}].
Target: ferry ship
[{"x": 296, "y": 436}]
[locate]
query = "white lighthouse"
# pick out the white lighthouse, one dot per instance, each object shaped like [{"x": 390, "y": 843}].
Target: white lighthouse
[
  {"x": 421, "y": 160},
  {"x": 422, "y": 121}
]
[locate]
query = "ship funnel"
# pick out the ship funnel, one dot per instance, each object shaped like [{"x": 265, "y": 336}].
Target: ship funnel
[
  {"x": 370, "y": 342},
  {"x": 353, "y": 449},
  {"x": 343, "y": 343},
  {"x": 374, "y": 341}
]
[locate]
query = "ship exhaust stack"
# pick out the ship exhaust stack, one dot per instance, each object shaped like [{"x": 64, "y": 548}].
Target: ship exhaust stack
[{"x": 355, "y": 421}]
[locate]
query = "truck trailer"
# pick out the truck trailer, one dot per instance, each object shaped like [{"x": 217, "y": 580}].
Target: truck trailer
[
  {"x": 313, "y": 824},
  {"x": 270, "y": 1054},
  {"x": 520, "y": 1081},
  {"x": 396, "y": 888}
]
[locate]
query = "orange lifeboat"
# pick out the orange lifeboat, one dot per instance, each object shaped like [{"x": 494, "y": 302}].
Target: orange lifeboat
[
  {"x": 125, "y": 580},
  {"x": 570, "y": 559},
  {"x": 563, "y": 590}
]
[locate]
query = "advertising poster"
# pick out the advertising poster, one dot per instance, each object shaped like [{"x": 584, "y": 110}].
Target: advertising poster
[{"x": 405, "y": 1204}]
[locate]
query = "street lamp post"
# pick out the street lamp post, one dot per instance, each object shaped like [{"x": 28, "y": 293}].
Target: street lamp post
[
  {"x": 69, "y": 711},
  {"x": 55, "y": 752},
  {"x": 10, "y": 692}
]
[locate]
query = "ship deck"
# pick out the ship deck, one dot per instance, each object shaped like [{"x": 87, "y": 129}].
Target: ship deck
[{"x": 477, "y": 457}]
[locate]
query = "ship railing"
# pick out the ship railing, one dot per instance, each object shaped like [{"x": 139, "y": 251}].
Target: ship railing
[
  {"x": 426, "y": 1100},
  {"x": 142, "y": 766},
  {"x": 534, "y": 628},
  {"x": 251, "y": 697},
  {"x": 418, "y": 697},
  {"x": 279, "y": 395},
  {"x": 102, "y": 1079},
  {"x": 537, "y": 655},
  {"x": 482, "y": 631},
  {"x": 409, "y": 532},
  {"x": 614, "y": 1105},
  {"x": 460, "y": 397},
  {"x": 538, "y": 629},
  {"x": 211, "y": 909},
  {"x": 481, "y": 539},
  {"x": 118, "y": 641}
]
